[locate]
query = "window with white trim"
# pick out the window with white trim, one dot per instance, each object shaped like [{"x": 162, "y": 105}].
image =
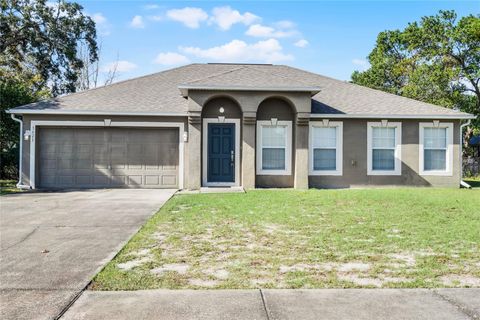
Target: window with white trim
[
  {"x": 326, "y": 148},
  {"x": 274, "y": 147},
  {"x": 436, "y": 148},
  {"x": 384, "y": 148}
]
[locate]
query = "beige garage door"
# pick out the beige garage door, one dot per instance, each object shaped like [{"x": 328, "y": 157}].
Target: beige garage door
[{"x": 108, "y": 157}]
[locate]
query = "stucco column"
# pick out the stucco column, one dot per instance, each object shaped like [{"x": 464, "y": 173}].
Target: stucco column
[
  {"x": 194, "y": 170},
  {"x": 301, "y": 151},
  {"x": 248, "y": 150}
]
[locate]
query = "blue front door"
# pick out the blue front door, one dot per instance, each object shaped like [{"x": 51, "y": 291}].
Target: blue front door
[{"x": 221, "y": 152}]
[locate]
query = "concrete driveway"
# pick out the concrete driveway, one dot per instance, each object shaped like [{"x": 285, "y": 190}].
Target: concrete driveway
[{"x": 53, "y": 243}]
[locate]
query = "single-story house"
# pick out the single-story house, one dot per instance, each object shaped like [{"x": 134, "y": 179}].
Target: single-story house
[{"x": 246, "y": 125}]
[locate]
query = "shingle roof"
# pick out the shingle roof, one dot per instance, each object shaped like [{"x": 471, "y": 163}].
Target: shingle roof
[
  {"x": 250, "y": 77},
  {"x": 159, "y": 93}
]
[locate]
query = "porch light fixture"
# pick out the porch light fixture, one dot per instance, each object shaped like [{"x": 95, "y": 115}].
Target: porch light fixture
[
  {"x": 26, "y": 135},
  {"x": 185, "y": 136},
  {"x": 221, "y": 110}
]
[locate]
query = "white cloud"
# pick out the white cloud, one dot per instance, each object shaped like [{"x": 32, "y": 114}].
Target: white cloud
[
  {"x": 155, "y": 18},
  {"x": 257, "y": 30},
  {"x": 151, "y": 6},
  {"x": 120, "y": 66},
  {"x": 170, "y": 58},
  {"x": 268, "y": 51},
  {"x": 225, "y": 17},
  {"x": 285, "y": 24},
  {"x": 302, "y": 43},
  {"x": 137, "y": 22},
  {"x": 98, "y": 18},
  {"x": 261, "y": 31},
  {"x": 101, "y": 23},
  {"x": 361, "y": 63},
  {"x": 190, "y": 17}
]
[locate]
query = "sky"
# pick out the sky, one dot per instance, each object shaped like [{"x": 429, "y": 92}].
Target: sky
[{"x": 332, "y": 38}]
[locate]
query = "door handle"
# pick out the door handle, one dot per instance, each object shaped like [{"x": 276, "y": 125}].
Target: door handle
[{"x": 232, "y": 158}]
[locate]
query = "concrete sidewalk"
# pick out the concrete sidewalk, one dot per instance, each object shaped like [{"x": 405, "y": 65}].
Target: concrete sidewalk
[{"x": 332, "y": 304}]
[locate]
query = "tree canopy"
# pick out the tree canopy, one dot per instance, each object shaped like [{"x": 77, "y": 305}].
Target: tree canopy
[
  {"x": 436, "y": 60},
  {"x": 39, "y": 44},
  {"x": 41, "y": 39}
]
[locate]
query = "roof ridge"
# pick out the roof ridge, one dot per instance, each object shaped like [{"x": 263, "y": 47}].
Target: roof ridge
[
  {"x": 215, "y": 75},
  {"x": 249, "y": 67}
]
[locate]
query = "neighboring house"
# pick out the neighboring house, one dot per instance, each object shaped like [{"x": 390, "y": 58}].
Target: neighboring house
[{"x": 238, "y": 125}]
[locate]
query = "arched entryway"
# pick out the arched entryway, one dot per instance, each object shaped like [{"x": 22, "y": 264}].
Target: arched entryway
[
  {"x": 275, "y": 156},
  {"x": 221, "y": 136}
]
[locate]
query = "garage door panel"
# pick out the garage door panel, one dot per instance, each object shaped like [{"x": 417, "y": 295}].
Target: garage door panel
[
  {"x": 64, "y": 163},
  {"x": 134, "y": 180},
  {"x": 65, "y": 148},
  {"x": 135, "y": 157},
  {"x": 101, "y": 180},
  {"x": 50, "y": 163},
  {"x": 152, "y": 180},
  {"x": 169, "y": 180},
  {"x": 49, "y": 150},
  {"x": 118, "y": 180},
  {"x": 100, "y": 165},
  {"x": 108, "y": 157},
  {"x": 66, "y": 180},
  {"x": 118, "y": 136},
  {"x": 84, "y": 180},
  {"x": 48, "y": 180}
]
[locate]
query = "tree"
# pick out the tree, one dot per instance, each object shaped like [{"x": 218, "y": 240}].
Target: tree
[
  {"x": 42, "y": 39},
  {"x": 88, "y": 74},
  {"x": 39, "y": 43},
  {"x": 436, "y": 60},
  {"x": 14, "y": 91}
]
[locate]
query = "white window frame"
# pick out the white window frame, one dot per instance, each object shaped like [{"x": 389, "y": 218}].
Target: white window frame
[
  {"x": 449, "y": 150},
  {"x": 288, "y": 148},
  {"x": 397, "y": 171},
  {"x": 339, "y": 148}
]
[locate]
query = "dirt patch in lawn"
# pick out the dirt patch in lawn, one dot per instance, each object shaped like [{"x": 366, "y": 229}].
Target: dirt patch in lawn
[{"x": 315, "y": 239}]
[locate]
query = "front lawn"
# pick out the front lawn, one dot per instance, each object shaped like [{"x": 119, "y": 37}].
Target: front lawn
[{"x": 305, "y": 239}]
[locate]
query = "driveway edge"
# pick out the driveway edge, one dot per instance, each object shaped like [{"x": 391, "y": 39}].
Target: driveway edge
[
  {"x": 109, "y": 258},
  {"x": 460, "y": 306}
]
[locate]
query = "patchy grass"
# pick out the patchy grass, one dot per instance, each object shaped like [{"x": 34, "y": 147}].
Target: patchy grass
[
  {"x": 305, "y": 239},
  {"x": 8, "y": 186}
]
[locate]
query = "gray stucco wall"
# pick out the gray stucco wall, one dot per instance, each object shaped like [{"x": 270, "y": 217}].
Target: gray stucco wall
[
  {"x": 355, "y": 159},
  {"x": 354, "y": 150}
]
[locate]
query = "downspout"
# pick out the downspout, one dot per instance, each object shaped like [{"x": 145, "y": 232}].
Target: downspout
[
  {"x": 463, "y": 183},
  {"x": 20, "y": 158}
]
